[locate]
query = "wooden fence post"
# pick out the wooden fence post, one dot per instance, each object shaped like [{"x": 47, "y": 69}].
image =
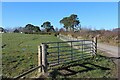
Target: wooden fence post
[
  {"x": 39, "y": 58},
  {"x": 95, "y": 45},
  {"x": 44, "y": 58},
  {"x": 71, "y": 51}
]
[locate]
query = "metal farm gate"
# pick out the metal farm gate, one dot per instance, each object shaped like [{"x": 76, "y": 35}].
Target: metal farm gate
[{"x": 57, "y": 53}]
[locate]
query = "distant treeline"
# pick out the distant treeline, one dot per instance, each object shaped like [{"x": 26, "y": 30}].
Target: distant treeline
[{"x": 69, "y": 23}]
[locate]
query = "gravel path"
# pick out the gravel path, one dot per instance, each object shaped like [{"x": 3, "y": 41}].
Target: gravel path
[{"x": 112, "y": 51}]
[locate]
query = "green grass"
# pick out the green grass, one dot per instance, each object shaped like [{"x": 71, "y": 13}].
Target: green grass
[
  {"x": 97, "y": 67},
  {"x": 19, "y": 54},
  {"x": 20, "y": 51}
]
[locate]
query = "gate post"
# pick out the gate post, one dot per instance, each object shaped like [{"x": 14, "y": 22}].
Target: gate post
[
  {"x": 39, "y": 59},
  {"x": 44, "y": 58},
  {"x": 95, "y": 45}
]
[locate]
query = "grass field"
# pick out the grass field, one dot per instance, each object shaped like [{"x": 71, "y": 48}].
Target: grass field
[{"x": 19, "y": 54}]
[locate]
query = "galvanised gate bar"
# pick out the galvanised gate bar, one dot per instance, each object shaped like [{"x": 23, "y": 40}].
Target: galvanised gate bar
[{"x": 57, "y": 53}]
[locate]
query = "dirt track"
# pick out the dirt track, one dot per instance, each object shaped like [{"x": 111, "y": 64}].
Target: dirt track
[{"x": 112, "y": 51}]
